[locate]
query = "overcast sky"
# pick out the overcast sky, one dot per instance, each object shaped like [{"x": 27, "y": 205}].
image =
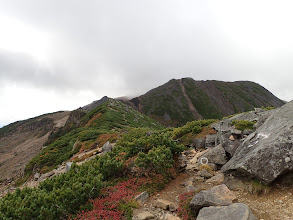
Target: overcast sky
[{"x": 63, "y": 54}]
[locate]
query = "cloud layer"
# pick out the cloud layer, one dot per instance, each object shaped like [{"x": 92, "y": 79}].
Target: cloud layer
[{"x": 94, "y": 48}]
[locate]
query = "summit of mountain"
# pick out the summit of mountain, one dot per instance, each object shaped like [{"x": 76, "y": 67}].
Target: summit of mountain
[{"x": 181, "y": 100}]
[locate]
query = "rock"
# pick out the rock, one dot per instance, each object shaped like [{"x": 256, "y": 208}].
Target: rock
[
  {"x": 68, "y": 166},
  {"x": 216, "y": 155},
  {"x": 141, "y": 198},
  {"x": 190, "y": 166},
  {"x": 213, "y": 166},
  {"x": 263, "y": 153},
  {"x": 36, "y": 176},
  {"x": 169, "y": 216},
  {"x": 193, "y": 160},
  {"x": 107, "y": 147},
  {"x": 204, "y": 173},
  {"x": 247, "y": 132},
  {"x": 210, "y": 140},
  {"x": 216, "y": 196},
  {"x": 237, "y": 211},
  {"x": 231, "y": 146},
  {"x": 236, "y": 132},
  {"x": 231, "y": 138},
  {"x": 182, "y": 162},
  {"x": 198, "y": 143},
  {"x": 218, "y": 179},
  {"x": 144, "y": 215},
  {"x": 198, "y": 178},
  {"x": 163, "y": 204},
  {"x": 190, "y": 188},
  {"x": 99, "y": 150}
]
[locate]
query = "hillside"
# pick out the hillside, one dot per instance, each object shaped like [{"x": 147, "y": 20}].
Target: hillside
[
  {"x": 126, "y": 166},
  {"x": 22, "y": 140},
  {"x": 182, "y": 100}
]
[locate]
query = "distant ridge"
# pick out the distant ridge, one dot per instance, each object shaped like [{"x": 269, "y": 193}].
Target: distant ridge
[{"x": 182, "y": 100}]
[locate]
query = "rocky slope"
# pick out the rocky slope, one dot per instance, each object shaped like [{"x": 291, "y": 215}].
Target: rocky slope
[
  {"x": 179, "y": 101},
  {"x": 21, "y": 141}
]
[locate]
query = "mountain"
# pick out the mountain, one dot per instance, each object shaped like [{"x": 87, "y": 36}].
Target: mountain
[
  {"x": 22, "y": 140},
  {"x": 182, "y": 100},
  {"x": 51, "y": 136}
]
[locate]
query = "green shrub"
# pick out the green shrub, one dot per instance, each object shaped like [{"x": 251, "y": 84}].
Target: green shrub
[
  {"x": 157, "y": 160},
  {"x": 194, "y": 126},
  {"x": 243, "y": 124}
]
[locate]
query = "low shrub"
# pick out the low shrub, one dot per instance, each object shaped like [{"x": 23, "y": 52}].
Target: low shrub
[{"x": 243, "y": 124}]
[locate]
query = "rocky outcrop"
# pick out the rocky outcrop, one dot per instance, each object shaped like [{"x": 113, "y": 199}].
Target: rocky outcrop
[
  {"x": 107, "y": 147},
  {"x": 268, "y": 152},
  {"x": 216, "y": 155},
  {"x": 235, "y": 211},
  {"x": 216, "y": 196}
]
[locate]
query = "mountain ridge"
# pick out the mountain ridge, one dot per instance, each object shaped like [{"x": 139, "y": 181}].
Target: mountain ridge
[{"x": 181, "y": 100}]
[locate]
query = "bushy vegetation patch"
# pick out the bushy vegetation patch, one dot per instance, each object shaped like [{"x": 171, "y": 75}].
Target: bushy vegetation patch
[
  {"x": 55, "y": 198},
  {"x": 194, "y": 126},
  {"x": 243, "y": 124},
  {"x": 183, "y": 210}
]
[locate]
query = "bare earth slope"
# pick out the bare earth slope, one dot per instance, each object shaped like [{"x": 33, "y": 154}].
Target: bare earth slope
[{"x": 21, "y": 141}]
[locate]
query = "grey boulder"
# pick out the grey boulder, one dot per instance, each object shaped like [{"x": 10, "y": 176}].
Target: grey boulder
[
  {"x": 216, "y": 196},
  {"x": 216, "y": 155},
  {"x": 107, "y": 147},
  {"x": 235, "y": 211},
  {"x": 268, "y": 152}
]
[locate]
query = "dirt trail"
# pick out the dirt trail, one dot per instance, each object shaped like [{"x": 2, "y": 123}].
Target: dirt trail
[
  {"x": 277, "y": 204},
  {"x": 190, "y": 105}
]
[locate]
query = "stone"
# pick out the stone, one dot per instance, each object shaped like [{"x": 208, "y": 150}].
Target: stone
[
  {"x": 190, "y": 166},
  {"x": 231, "y": 138},
  {"x": 216, "y": 155},
  {"x": 142, "y": 197},
  {"x": 213, "y": 166},
  {"x": 287, "y": 159},
  {"x": 231, "y": 146},
  {"x": 144, "y": 215},
  {"x": 236, "y": 132},
  {"x": 190, "y": 188},
  {"x": 210, "y": 140},
  {"x": 262, "y": 155},
  {"x": 237, "y": 211},
  {"x": 193, "y": 160},
  {"x": 204, "y": 173},
  {"x": 198, "y": 178},
  {"x": 100, "y": 150},
  {"x": 247, "y": 131},
  {"x": 107, "y": 147},
  {"x": 163, "y": 204},
  {"x": 217, "y": 179},
  {"x": 37, "y": 176},
  {"x": 198, "y": 143},
  {"x": 216, "y": 196},
  {"x": 68, "y": 166}
]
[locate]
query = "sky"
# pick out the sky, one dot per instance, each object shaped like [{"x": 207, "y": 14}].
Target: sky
[{"x": 63, "y": 54}]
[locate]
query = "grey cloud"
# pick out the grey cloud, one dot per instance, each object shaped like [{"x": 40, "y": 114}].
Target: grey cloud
[{"x": 131, "y": 46}]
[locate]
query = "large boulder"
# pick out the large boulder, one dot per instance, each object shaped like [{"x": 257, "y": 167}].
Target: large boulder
[
  {"x": 268, "y": 152},
  {"x": 237, "y": 211},
  {"x": 216, "y": 196},
  {"x": 216, "y": 155}
]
